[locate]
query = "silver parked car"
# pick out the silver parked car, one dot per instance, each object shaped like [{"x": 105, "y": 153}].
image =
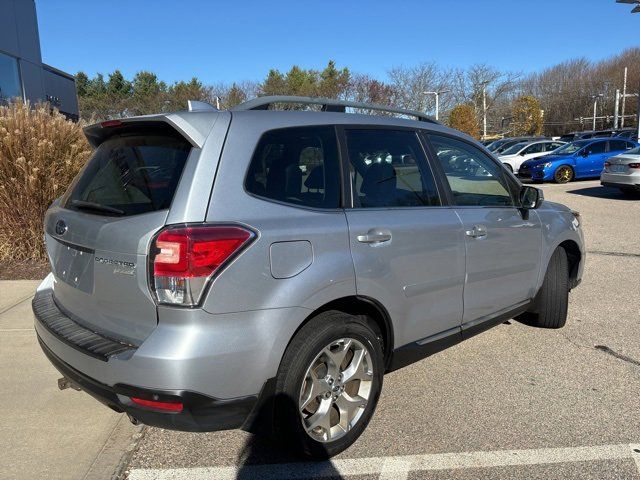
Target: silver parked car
[
  {"x": 623, "y": 172},
  {"x": 264, "y": 269}
]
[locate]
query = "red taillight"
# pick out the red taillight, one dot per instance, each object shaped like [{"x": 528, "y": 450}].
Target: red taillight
[
  {"x": 634, "y": 165},
  {"x": 184, "y": 258},
  {"x": 166, "y": 406},
  {"x": 110, "y": 123}
]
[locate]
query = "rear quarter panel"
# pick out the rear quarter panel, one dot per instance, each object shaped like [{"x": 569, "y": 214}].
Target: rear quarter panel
[{"x": 249, "y": 282}]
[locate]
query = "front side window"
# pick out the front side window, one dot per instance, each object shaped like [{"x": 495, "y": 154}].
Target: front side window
[
  {"x": 297, "y": 166},
  {"x": 9, "y": 78},
  {"x": 514, "y": 149},
  {"x": 550, "y": 147},
  {"x": 475, "y": 179},
  {"x": 535, "y": 148},
  {"x": 597, "y": 147},
  {"x": 389, "y": 169}
]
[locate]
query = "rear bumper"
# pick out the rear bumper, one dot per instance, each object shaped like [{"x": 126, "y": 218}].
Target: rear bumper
[
  {"x": 620, "y": 180},
  {"x": 199, "y": 414},
  {"x": 217, "y": 365}
]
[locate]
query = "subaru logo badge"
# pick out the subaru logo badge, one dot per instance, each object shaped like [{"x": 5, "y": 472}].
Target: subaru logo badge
[{"x": 61, "y": 227}]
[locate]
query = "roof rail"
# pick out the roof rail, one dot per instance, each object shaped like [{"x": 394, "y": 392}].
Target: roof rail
[
  {"x": 328, "y": 105},
  {"x": 198, "y": 106}
]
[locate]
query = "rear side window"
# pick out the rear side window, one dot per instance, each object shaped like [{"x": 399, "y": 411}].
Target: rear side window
[
  {"x": 617, "y": 145},
  {"x": 131, "y": 173},
  {"x": 297, "y": 166}
]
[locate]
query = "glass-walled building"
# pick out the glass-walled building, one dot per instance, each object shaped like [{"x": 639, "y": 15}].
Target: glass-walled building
[{"x": 22, "y": 73}]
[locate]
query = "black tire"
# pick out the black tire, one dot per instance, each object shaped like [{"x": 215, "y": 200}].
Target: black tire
[
  {"x": 552, "y": 301},
  {"x": 325, "y": 328},
  {"x": 563, "y": 174}
]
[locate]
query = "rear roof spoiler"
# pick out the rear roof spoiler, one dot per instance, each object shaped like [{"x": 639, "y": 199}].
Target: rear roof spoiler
[
  {"x": 328, "y": 105},
  {"x": 194, "y": 129}
]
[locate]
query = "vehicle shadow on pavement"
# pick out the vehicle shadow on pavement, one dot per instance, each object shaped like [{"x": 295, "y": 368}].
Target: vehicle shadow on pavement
[
  {"x": 604, "y": 192},
  {"x": 265, "y": 455}
]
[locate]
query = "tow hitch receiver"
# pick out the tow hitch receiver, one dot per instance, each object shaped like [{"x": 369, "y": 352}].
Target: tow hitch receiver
[{"x": 64, "y": 383}]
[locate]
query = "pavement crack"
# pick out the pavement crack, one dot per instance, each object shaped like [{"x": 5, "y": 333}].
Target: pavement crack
[
  {"x": 573, "y": 342},
  {"x": 6, "y": 309},
  {"x": 613, "y": 254},
  {"x": 619, "y": 356}
]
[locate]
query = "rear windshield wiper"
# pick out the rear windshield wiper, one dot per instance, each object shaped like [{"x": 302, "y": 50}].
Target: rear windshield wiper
[{"x": 81, "y": 204}]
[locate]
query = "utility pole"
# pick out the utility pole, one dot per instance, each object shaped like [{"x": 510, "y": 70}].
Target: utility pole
[
  {"x": 638, "y": 113},
  {"x": 615, "y": 111},
  {"x": 595, "y": 107},
  {"x": 437, "y": 95},
  {"x": 624, "y": 96}
]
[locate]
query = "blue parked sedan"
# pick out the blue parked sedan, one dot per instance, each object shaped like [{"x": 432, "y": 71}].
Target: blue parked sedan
[{"x": 579, "y": 159}]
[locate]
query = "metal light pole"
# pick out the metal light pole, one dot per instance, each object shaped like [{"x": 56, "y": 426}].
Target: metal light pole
[
  {"x": 484, "y": 110},
  {"x": 616, "y": 110},
  {"x": 595, "y": 107},
  {"x": 437, "y": 95},
  {"x": 624, "y": 96}
]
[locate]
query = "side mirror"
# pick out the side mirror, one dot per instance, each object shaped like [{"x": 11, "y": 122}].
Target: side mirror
[
  {"x": 530, "y": 197},
  {"x": 584, "y": 153},
  {"x": 522, "y": 154}
]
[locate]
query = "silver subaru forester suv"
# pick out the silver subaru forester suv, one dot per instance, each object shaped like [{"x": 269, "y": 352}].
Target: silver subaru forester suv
[{"x": 263, "y": 269}]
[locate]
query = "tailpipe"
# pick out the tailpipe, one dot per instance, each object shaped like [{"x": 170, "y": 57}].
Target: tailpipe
[{"x": 133, "y": 420}]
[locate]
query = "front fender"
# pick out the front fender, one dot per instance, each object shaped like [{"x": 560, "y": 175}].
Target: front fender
[{"x": 559, "y": 226}]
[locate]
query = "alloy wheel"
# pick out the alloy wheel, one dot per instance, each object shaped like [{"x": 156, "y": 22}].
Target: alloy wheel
[
  {"x": 563, "y": 174},
  {"x": 336, "y": 389}
]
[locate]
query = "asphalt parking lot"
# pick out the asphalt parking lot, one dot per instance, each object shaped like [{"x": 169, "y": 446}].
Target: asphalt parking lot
[{"x": 514, "y": 402}]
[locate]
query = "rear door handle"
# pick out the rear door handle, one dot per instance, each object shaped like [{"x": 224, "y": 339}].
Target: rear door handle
[
  {"x": 375, "y": 235},
  {"x": 478, "y": 231}
]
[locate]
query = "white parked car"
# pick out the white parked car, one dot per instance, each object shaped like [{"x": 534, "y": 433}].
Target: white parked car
[
  {"x": 514, "y": 156},
  {"x": 623, "y": 172}
]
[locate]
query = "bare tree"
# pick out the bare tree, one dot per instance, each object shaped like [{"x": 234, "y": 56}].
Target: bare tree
[{"x": 410, "y": 83}]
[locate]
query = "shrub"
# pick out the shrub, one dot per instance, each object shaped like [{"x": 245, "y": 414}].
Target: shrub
[
  {"x": 527, "y": 116},
  {"x": 463, "y": 118},
  {"x": 40, "y": 153}
]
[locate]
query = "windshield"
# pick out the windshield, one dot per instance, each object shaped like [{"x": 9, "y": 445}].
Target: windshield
[
  {"x": 130, "y": 174},
  {"x": 570, "y": 148},
  {"x": 493, "y": 145},
  {"x": 515, "y": 148},
  {"x": 506, "y": 145}
]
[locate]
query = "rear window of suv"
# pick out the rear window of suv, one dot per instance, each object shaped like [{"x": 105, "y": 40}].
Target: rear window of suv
[{"x": 131, "y": 173}]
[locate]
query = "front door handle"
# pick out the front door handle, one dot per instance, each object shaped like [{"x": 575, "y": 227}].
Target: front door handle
[
  {"x": 478, "y": 231},
  {"x": 374, "y": 236}
]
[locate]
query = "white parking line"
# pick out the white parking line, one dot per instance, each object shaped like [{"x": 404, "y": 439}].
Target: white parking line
[{"x": 397, "y": 468}]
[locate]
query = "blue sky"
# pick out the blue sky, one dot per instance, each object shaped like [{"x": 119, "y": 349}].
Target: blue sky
[{"x": 241, "y": 40}]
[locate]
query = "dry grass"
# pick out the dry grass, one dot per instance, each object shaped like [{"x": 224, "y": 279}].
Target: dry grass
[{"x": 40, "y": 153}]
